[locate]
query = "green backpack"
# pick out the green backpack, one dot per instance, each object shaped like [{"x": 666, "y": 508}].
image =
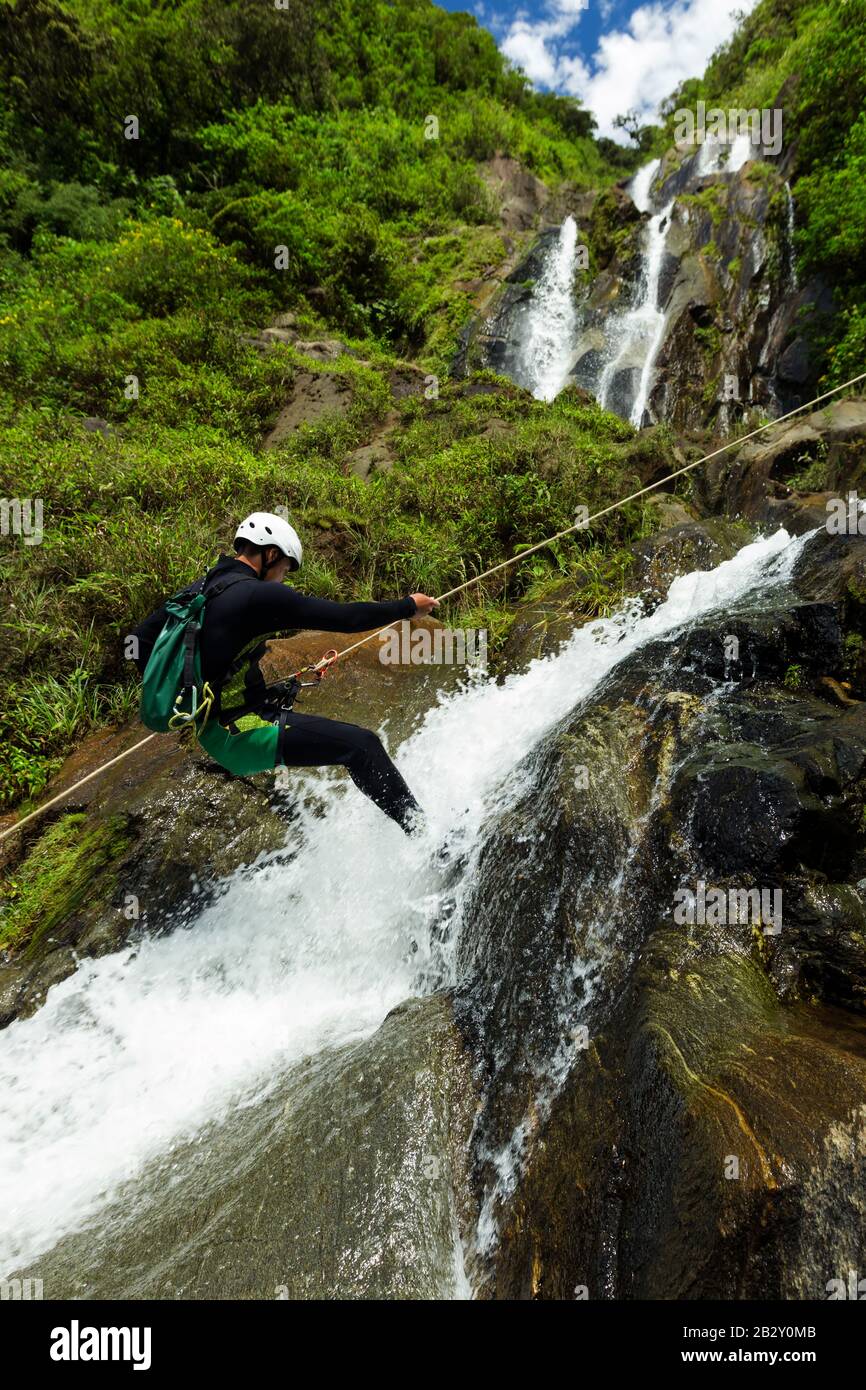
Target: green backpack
[{"x": 173, "y": 695}]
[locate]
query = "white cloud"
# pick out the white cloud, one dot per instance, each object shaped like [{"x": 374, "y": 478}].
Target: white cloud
[
  {"x": 534, "y": 44},
  {"x": 526, "y": 47},
  {"x": 633, "y": 68}
]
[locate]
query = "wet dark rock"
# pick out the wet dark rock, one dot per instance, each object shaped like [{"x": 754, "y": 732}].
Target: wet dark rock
[
  {"x": 794, "y": 365},
  {"x": 705, "y": 1135},
  {"x": 532, "y": 264}
]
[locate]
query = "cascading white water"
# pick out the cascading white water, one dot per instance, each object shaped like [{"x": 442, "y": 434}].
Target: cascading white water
[
  {"x": 638, "y": 334},
  {"x": 136, "y": 1051},
  {"x": 724, "y": 157},
  {"x": 545, "y": 354},
  {"x": 741, "y": 151},
  {"x": 709, "y": 159},
  {"x": 792, "y": 256},
  {"x": 641, "y": 184},
  {"x": 635, "y": 337}
]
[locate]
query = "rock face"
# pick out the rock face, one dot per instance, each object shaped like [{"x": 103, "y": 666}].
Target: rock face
[
  {"x": 518, "y": 194},
  {"x": 725, "y": 286},
  {"x": 731, "y": 302},
  {"x": 314, "y": 395},
  {"x": 320, "y": 394},
  {"x": 682, "y": 1102},
  {"x": 786, "y": 476}
]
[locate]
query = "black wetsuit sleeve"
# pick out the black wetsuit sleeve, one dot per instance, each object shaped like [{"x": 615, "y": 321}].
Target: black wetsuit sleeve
[{"x": 276, "y": 607}]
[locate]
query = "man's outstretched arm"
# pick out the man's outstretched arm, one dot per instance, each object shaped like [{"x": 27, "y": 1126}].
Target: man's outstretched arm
[{"x": 275, "y": 607}]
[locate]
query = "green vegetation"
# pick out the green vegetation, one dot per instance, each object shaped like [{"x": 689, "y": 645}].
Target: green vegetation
[
  {"x": 57, "y": 877},
  {"x": 611, "y": 228},
  {"x": 794, "y": 676},
  {"x": 810, "y": 473},
  {"x": 711, "y": 199},
  {"x": 326, "y": 159},
  {"x": 348, "y": 132},
  {"x": 133, "y": 515},
  {"x": 808, "y": 57},
  {"x": 332, "y": 160}
]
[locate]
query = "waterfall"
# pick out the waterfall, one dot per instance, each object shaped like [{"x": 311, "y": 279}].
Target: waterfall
[
  {"x": 721, "y": 157},
  {"x": 741, "y": 151},
  {"x": 637, "y": 334},
  {"x": 709, "y": 160},
  {"x": 792, "y": 256},
  {"x": 137, "y": 1051},
  {"x": 545, "y": 355},
  {"x": 639, "y": 188}
]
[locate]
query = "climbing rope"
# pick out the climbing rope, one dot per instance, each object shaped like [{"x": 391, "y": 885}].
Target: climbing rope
[
  {"x": 320, "y": 668},
  {"x": 74, "y": 788},
  {"x": 582, "y": 525}
]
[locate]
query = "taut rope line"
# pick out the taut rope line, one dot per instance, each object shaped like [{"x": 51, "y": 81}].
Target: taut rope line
[
  {"x": 329, "y": 661},
  {"x": 582, "y": 525}
]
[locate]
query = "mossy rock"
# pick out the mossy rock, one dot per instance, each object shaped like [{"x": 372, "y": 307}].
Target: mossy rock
[{"x": 68, "y": 867}]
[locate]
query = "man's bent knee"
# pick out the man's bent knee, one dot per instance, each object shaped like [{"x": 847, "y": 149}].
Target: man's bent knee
[{"x": 370, "y": 744}]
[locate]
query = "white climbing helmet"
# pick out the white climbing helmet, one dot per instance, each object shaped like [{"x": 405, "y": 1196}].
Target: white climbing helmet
[{"x": 264, "y": 528}]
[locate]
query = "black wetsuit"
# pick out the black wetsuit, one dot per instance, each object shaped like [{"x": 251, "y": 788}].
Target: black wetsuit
[{"x": 250, "y": 609}]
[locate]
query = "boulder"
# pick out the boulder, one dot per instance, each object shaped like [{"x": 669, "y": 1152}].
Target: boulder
[
  {"x": 314, "y": 395},
  {"x": 760, "y": 481},
  {"x": 519, "y": 195}
]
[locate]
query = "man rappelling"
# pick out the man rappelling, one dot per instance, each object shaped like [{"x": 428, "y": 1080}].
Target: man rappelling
[{"x": 199, "y": 659}]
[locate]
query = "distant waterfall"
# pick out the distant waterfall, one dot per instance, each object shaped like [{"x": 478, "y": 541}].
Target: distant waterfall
[
  {"x": 608, "y": 339},
  {"x": 638, "y": 334},
  {"x": 709, "y": 159},
  {"x": 545, "y": 357},
  {"x": 717, "y": 157},
  {"x": 640, "y": 186},
  {"x": 741, "y": 151},
  {"x": 792, "y": 257},
  {"x": 635, "y": 337}
]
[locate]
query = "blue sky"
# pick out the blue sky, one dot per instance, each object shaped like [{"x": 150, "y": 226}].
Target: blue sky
[{"x": 616, "y": 55}]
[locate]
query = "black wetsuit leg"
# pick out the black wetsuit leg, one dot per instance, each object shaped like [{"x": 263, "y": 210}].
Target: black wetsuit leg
[{"x": 310, "y": 741}]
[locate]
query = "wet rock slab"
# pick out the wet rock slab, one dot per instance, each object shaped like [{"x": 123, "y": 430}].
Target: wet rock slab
[{"x": 346, "y": 1179}]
